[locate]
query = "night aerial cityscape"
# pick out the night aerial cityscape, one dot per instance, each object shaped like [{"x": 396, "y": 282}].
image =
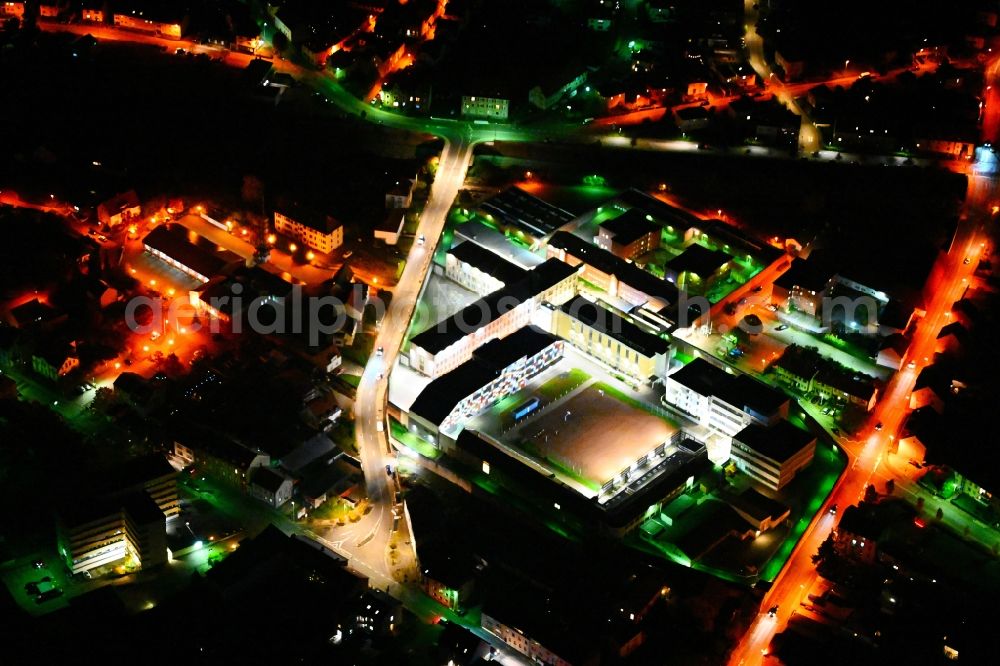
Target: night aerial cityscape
[{"x": 451, "y": 332}]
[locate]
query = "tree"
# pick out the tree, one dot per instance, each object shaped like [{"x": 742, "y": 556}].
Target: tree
[
  {"x": 940, "y": 513},
  {"x": 252, "y": 190},
  {"x": 920, "y": 504},
  {"x": 870, "y": 493},
  {"x": 890, "y": 486},
  {"x": 279, "y": 41}
]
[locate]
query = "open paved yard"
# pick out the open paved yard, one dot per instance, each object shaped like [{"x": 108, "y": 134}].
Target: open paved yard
[{"x": 594, "y": 434}]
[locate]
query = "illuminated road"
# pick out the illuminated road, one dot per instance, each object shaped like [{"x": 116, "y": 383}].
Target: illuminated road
[
  {"x": 369, "y": 539},
  {"x": 809, "y": 138},
  {"x": 947, "y": 284}
]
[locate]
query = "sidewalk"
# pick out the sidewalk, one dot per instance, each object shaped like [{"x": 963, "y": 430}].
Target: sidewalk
[{"x": 963, "y": 524}]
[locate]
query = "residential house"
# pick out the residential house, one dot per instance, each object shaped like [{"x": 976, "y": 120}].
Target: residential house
[
  {"x": 271, "y": 487},
  {"x": 119, "y": 209},
  {"x": 320, "y": 232}
]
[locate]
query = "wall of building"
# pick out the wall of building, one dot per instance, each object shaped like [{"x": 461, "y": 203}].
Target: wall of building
[
  {"x": 485, "y": 107},
  {"x": 317, "y": 240}
]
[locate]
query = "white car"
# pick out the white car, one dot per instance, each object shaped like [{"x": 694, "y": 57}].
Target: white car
[
  {"x": 379, "y": 351},
  {"x": 421, "y": 239}
]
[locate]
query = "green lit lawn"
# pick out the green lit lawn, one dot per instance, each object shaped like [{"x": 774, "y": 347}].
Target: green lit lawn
[
  {"x": 411, "y": 441},
  {"x": 550, "y": 391}
]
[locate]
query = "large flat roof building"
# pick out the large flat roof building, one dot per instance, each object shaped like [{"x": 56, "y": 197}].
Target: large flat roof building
[
  {"x": 723, "y": 402},
  {"x": 451, "y": 342},
  {"x": 495, "y": 370},
  {"x": 618, "y": 277},
  {"x": 479, "y": 269},
  {"x": 525, "y": 216},
  {"x": 188, "y": 252}
]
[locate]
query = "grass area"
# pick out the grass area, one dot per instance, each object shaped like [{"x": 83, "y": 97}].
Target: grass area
[
  {"x": 629, "y": 400},
  {"x": 411, "y": 441},
  {"x": 353, "y": 380},
  {"x": 550, "y": 391}
]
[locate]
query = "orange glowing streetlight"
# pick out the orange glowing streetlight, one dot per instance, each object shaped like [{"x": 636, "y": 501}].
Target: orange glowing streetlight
[
  {"x": 152, "y": 283},
  {"x": 310, "y": 255},
  {"x": 271, "y": 239},
  {"x": 145, "y": 348},
  {"x": 292, "y": 247}
]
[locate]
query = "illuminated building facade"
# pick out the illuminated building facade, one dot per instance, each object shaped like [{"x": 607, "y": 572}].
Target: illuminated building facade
[
  {"x": 321, "y": 233},
  {"x": 496, "y": 370},
  {"x": 773, "y": 455},
  {"x": 611, "y": 339},
  {"x": 170, "y": 28},
  {"x": 95, "y": 534},
  {"x": 485, "y": 107},
  {"x": 12, "y": 10},
  {"x": 723, "y": 402},
  {"x": 451, "y": 342}
]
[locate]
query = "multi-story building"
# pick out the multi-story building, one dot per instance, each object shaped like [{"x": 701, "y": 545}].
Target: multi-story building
[
  {"x": 451, "y": 342},
  {"x": 610, "y": 338},
  {"x": 801, "y": 288},
  {"x": 222, "y": 458},
  {"x": 496, "y": 370},
  {"x": 271, "y": 487},
  {"x": 12, "y": 10},
  {"x": 48, "y": 12},
  {"x": 54, "y": 360},
  {"x": 162, "y": 20},
  {"x": 479, "y": 269},
  {"x": 93, "y": 11},
  {"x": 613, "y": 275},
  {"x": 119, "y": 209},
  {"x": 151, "y": 474},
  {"x": 96, "y": 533},
  {"x": 773, "y": 455},
  {"x": 631, "y": 234},
  {"x": 320, "y": 232},
  {"x": 857, "y": 534},
  {"x": 523, "y": 217},
  {"x": 476, "y": 106},
  {"x": 697, "y": 268},
  {"x": 723, "y": 402}
]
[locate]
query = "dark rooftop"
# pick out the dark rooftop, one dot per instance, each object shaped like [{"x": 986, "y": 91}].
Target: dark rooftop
[
  {"x": 702, "y": 377},
  {"x": 749, "y": 394},
  {"x": 661, "y": 210},
  {"x": 608, "y": 263},
  {"x": 803, "y": 274},
  {"x": 698, "y": 260},
  {"x": 516, "y": 207},
  {"x": 480, "y": 313},
  {"x": 778, "y": 442},
  {"x": 861, "y": 521},
  {"x": 200, "y": 256},
  {"x": 440, "y": 396},
  {"x": 267, "y": 478},
  {"x": 487, "y": 261},
  {"x": 33, "y": 312},
  {"x": 502, "y": 353},
  {"x": 630, "y": 226}
]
